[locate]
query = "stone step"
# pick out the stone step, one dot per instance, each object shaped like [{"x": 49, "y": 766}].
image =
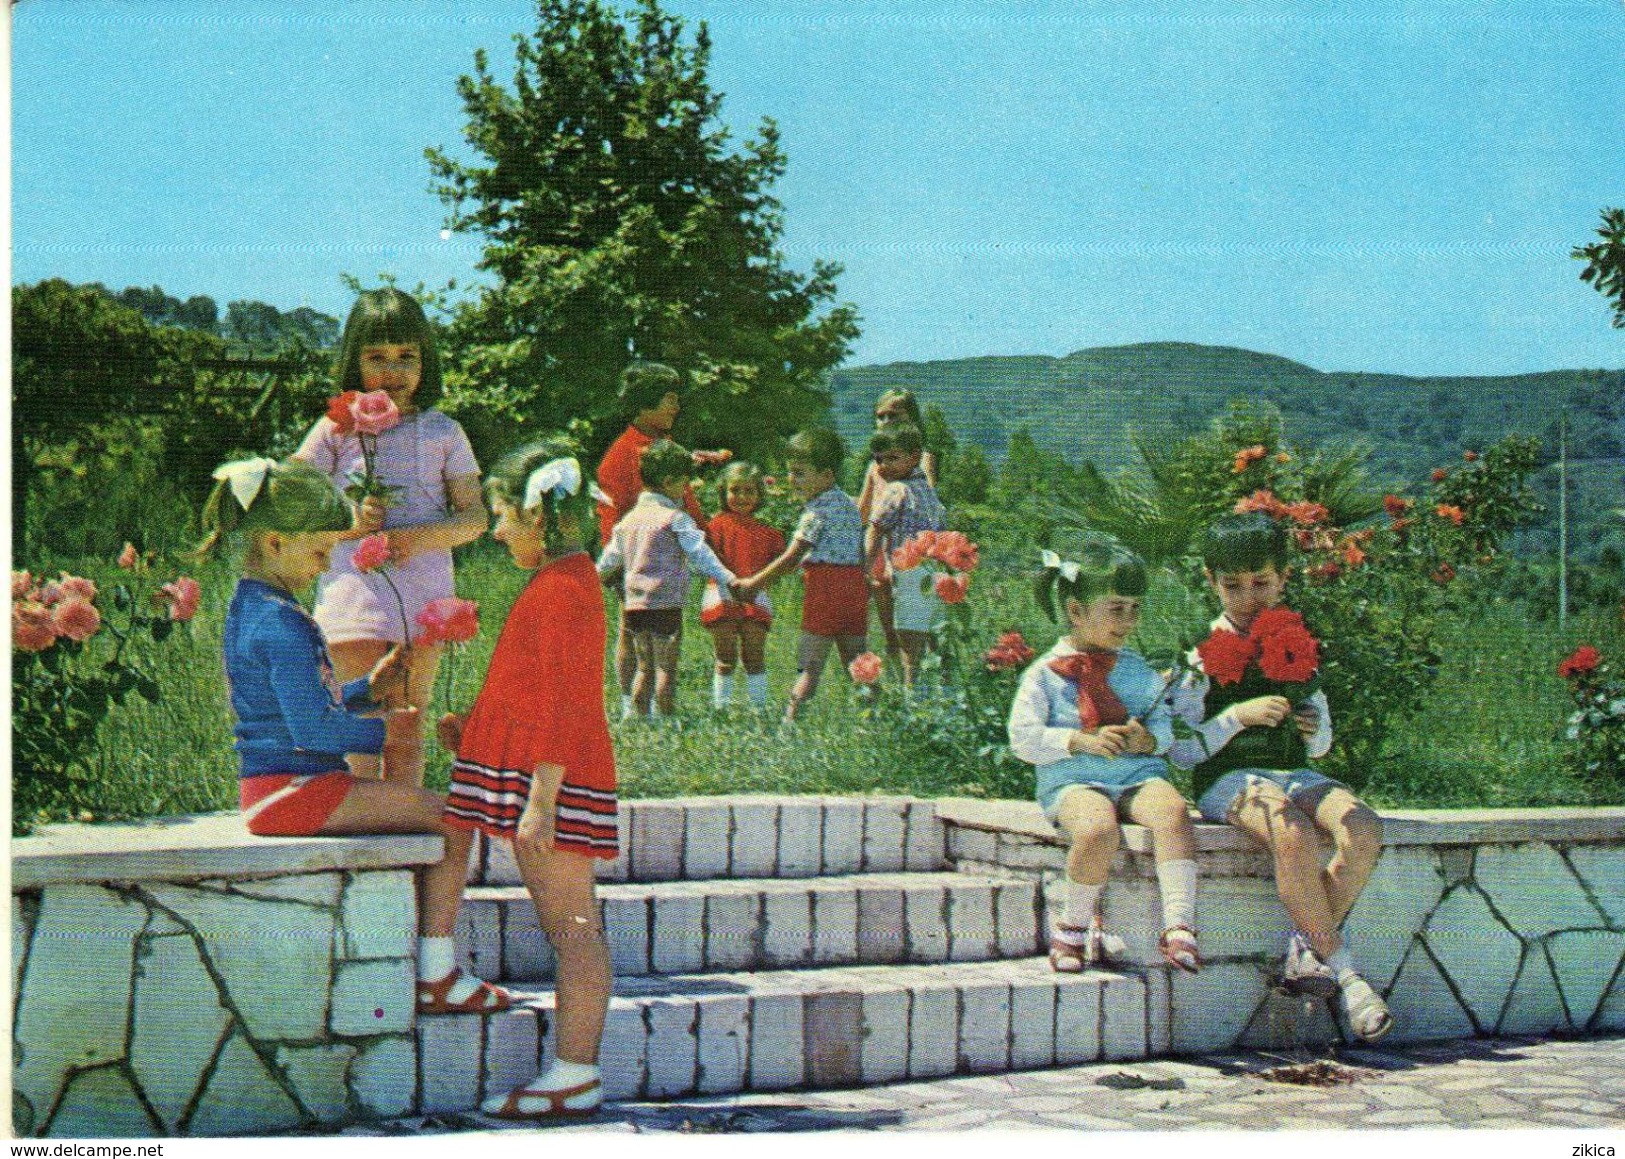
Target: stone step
[
  {"x": 673, "y": 1035},
  {"x": 767, "y": 923}
]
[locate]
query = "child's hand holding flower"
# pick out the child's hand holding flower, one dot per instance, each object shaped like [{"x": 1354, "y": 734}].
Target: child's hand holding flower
[{"x": 1307, "y": 717}]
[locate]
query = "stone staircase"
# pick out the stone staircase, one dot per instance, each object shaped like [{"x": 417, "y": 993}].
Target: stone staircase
[{"x": 772, "y": 943}]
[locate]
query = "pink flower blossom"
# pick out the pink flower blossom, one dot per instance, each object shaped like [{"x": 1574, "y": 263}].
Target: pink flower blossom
[
  {"x": 375, "y": 412},
  {"x": 373, "y": 551},
  {"x": 129, "y": 557},
  {"x": 908, "y": 557},
  {"x": 21, "y": 581},
  {"x": 865, "y": 669},
  {"x": 76, "y": 619},
  {"x": 183, "y": 595},
  {"x": 49, "y": 594},
  {"x": 449, "y": 620},
  {"x": 76, "y": 586},
  {"x": 31, "y": 627},
  {"x": 951, "y": 589}
]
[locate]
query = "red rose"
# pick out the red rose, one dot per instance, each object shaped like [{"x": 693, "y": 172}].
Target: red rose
[
  {"x": 1305, "y": 513},
  {"x": 339, "y": 411},
  {"x": 1450, "y": 512},
  {"x": 375, "y": 412},
  {"x": 76, "y": 619},
  {"x": 183, "y": 596},
  {"x": 1289, "y": 655},
  {"x": 129, "y": 557},
  {"x": 1329, "y": 570},
  {"x": 1352, "y": 555},
  {"x": 449, "y": 620},
  {"x": 1581, "y": 661},
  {"x": 951, "y": 589},
  {"x": 1225, "y": 655},
  {"x": 31, "y": 627},
  {"x": 1440, "y": 474},
  {"x": 1011, "y": 651},
  {"x": 1395, "y": 506},
  {"x": 1470, "y": 456},
  {"x": 21, "y": 581},
  {"x": 372, "y": 552},
  {"x": 1276, "y": 619},
  {"x": 1247, "y": 456},
  {"x": 908, "y": 557},
  {"x": 1444, "y": 574},
  {"x": 865, "y": 669},
  {"x": 1261, "y": 500}
]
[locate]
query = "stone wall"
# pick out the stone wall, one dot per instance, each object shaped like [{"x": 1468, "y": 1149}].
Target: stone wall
[
  {"x": 1496, "y": 921},
  {"x": 184, "y": 978}
]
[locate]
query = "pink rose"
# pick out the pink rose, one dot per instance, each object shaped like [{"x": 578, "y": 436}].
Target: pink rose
[
  {"x": 129, "y": 557},
  {"x": 375, "y": 412},
  {"x": 76, "y": 619},
  {"x": 50, "y": 593},
  {"x": 76, "y": 586},
  {"x": 31, "y": 627},
  {"x": 21, "y": 581},
  {"x": 183, "y": 595},
  {"x": 372, "y": 552},
  {"x": 951, "y": 589},
  {"x": 865, "y": 669},
  {"x": 908, "y": 557},
  {"x": 449, "y": 621}
]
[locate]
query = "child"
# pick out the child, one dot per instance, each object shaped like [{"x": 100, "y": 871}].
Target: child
[
  {"x": 745, "y": 545},
  {"x": 534, "y": 761},
  {"x": 893, "y": 407},
  {"x": 652, "y": 547},
  {"x": 906, "y": 505},
  {"x": 828, "y": 544},
  {"x": 1245, "y": 559},
  {"x": 390, "y": 346},
  {"x": 295, "y": 724},
  {"x": 649, "y": 394},
  {"x": 1091, "y": 715}
]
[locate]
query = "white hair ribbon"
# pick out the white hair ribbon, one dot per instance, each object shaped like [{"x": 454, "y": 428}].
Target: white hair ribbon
[
  {"x": 559, "y": 476},
  {"x": 1066, "y": 567},
  {"x": 246, "y": 477}
]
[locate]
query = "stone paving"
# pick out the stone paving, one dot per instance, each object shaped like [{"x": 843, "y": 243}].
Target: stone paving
[{"x": 1505, "y": 1083}]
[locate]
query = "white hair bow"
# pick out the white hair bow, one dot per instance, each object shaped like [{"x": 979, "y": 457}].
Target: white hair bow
[
  {"x": 1067, "y": 568},
  {"x": 246, "y": 477},
  {"x": 561, "y": 477}
]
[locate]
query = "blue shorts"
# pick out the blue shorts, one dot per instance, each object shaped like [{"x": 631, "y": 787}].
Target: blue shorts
[
  {"x": 915, "y": 604},
  {"x": 1115, "y": 778},
  {"x": 1303, "y": 787}
]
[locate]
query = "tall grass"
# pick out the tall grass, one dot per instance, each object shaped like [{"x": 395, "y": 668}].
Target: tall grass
[{"x": 1487, "y": 737}]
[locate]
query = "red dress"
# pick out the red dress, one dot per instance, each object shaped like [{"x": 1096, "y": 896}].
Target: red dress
[
  {"x": 746, "y": 545},
  {"x": 620, "y": 478},
  {"x": 543, "y": 703}
]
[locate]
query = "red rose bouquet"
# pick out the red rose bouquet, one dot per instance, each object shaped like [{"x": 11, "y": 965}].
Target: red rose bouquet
[{"x": 1277, "y": 656}]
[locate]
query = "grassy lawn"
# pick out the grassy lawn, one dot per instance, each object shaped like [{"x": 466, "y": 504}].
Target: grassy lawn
[{"x": 1487, "y": 738}]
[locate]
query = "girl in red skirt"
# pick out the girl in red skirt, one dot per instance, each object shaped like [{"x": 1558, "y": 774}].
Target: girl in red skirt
[
  {"x": 745, "y": 545},
  {"x": 534, "y": 762}
]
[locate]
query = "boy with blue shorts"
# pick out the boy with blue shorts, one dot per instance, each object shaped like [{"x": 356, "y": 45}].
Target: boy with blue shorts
[{"x": 1287, "y": 806}]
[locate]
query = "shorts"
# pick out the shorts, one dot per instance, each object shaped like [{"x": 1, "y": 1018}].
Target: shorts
[
  {"x": 915, "y": 606},
  {"x": 1116, "y": 777},
  {"x": 656, "y": 621},
  {"x": 836, "y": 600},
  {"x": 283, "y": 805},
  {"x": 1297, "y": 784}
]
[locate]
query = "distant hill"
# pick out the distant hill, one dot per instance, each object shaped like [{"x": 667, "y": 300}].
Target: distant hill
[{"x": 1083, "y": 406}]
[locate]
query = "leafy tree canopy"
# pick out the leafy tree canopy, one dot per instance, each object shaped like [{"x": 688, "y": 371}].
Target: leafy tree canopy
[
  {"x": 1605, "y": 261},
  {"x": 622, "y": 221}
]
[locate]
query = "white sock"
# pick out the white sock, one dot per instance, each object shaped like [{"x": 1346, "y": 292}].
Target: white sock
[
  {"x": 1177, "y": 881},
  {"x": 1081, "y": 902},
  {"x": 721, "y": 689},
  {"x": 1341, "y": 961},
  {"x": 558, "y": 1076},
  {"x": 756, "y": 688}
]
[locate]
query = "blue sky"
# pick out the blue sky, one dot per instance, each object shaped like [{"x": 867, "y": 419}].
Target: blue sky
[{"x": 1394, "y": 191}]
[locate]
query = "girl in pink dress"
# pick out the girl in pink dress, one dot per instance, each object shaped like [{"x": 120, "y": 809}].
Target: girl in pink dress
[{"x": 435, "y": 505}]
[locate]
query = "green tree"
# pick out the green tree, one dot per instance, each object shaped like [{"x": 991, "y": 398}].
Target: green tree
[
  {"x": 1605, "y": 261},
  {"x": 622, "y": 221}
]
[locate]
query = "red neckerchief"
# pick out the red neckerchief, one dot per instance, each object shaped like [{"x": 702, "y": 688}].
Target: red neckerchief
[{"x": 1097, "y": 703}]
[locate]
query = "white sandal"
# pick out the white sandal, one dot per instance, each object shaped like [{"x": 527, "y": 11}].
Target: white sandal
[{"x": 1367, "y": 1013}]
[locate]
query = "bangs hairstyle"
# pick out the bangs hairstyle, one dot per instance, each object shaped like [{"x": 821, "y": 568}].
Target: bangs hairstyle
[
  {"x": 1249, "y": 542},
  {"x": 387, "y": 317},
  {"x": 568, "y": 525},
  {"x": 819, "y": 447},
  {"x": 1105, "y": 568},
  {"x": 644, "y": 384},
  {"x": 905, "y": 399},
  {"x": 295, "y": 499},
  {"x": 740, "y": 472},
  {"x": 662, "y": 460},
  {"x": 903, "y": 437}
]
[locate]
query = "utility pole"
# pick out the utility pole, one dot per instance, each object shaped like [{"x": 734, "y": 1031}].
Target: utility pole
[{"x": 1562, "y": 518}]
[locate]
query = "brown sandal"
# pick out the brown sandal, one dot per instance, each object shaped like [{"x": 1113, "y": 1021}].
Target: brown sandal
[
  {"x": 1178, "y": 943},
  {"x": 1069, "y": 957},
  {"x": 432, "y": 997},
  {"x": 555, "y": 1104}
]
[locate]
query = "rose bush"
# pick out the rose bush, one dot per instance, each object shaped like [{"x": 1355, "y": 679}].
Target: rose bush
[{"x": 1595, "y": 730}]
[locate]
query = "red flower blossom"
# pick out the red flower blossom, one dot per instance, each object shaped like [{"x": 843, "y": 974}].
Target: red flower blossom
[
  {"x": 76, "y": 586},
  {"x": 21, "y": 581},
  {"x": 375, "y": 412},
  {"x": 951, "y": 589},
  {"x": 1352, "y": 555},
  {"x": 1450, "y": 512},
  {"x": 1581, "y": 661},
  {"x": 1395, "y": 506},
  {"x": 339, "y": 411},
  {"x": 1323, "y": 572},
  {"x": 1010, "y": 651},
  {"x": 75, "y": 618},
  {"x": 1470, "y": 456},
  {"x": 183, "y": 596},
  {"x": 908, "y": 557},
  {"x": 1305, "y": 513},
  {"x": 129, "y": 557},
  {"x": 1444, "y": 573},
  {"x": 865, "y": 669},
  {"x": 1247, "y": 457},
  {"x": 1288, "y": 653},
  {"x": 1261, "y": 500},
  {"x": 449, "y": 620},
  {"x": 31, "y": 627},
  {"x": 372, "y": 552},
  {"x": 1225, "y": 655}
]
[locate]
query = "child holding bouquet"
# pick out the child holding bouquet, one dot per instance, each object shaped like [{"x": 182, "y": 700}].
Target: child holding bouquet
[
  {"x": 412, "y": 473},
  {"x": 1259, "y": 719},
  {"x": 745, "y": 545},
  {"x": 904, "y": 506},
  {"x": 1092, "y": 716},
  {"x": 894, "y": 408}
]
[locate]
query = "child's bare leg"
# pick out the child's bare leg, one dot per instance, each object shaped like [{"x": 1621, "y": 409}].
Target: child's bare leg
[
  {"x": 913, "y": 646},
  {"x": 850, "y": 648},
  {"x": 1158, "y": 806},
  {"x": 352, "y": 660},
  {"x": 1090, "y": 819},
  {"x": 753, "y": 646},
  {"x": 725, "y": 637},
  {"x": 1356, "y": 832},
  {"x": 813, "y": 653},
  {"x": 404, "y": 763},
  {"x": 884, "y": 605},
  {"x": 1265, "y": 811},
  {"x": 643, "y": 681},
  {"x": 626, "y": 657},
  {"x": 386, "y": 807},
  {"x": 667, "y": 649}
]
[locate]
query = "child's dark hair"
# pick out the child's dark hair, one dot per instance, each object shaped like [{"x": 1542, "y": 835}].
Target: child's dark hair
[
  {"x": 818, "y": 447},
  {"x": 1104, "y": 568},
  {"x": 644, "y": 385},
  {"x": 903, "y": 437},
  {"x": 294, "y": 498},
  {"x": 738, "y": 472},
  {"x": 387, "y": 317},
  {"x": 904, "y": 399},
  {"x": 662, "y": 460},
  {"x": 569, "y": 525},
  {"x": 1249, "y": 542}
]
